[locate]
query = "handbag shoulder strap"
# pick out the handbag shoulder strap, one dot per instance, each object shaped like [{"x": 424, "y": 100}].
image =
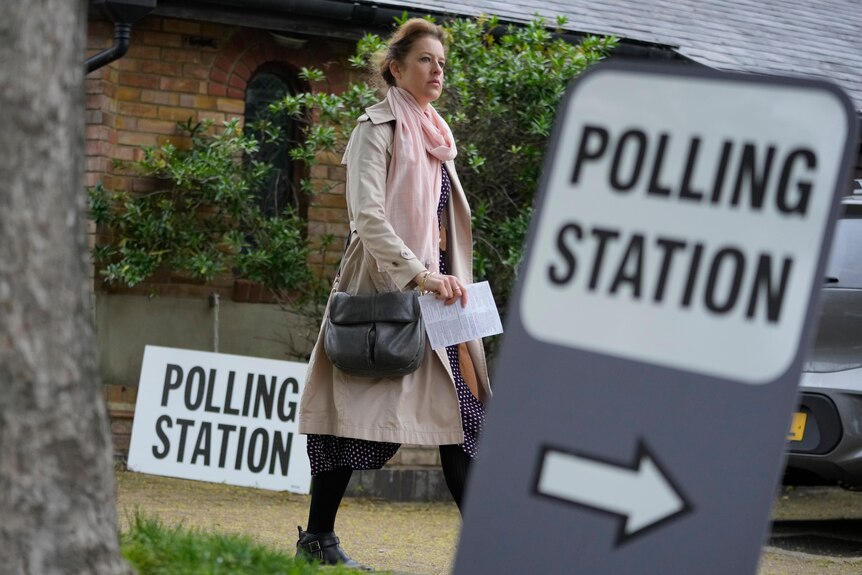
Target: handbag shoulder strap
[{"x": 344, "y": 253}]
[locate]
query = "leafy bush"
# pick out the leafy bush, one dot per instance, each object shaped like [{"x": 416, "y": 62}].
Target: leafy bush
[
  {"x": 503, "y": 87},
  {"x": 203, "y": 218}
]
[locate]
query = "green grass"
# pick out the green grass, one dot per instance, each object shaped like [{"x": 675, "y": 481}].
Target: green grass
[{"x": 153, "y": 548}]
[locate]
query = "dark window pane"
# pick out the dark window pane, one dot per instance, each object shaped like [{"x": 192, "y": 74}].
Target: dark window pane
[
  {"x": 280, "y": 191},
  {"x": 845, "y": 260}
]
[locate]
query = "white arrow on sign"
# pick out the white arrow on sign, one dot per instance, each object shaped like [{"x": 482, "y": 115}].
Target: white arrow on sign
[{"x": 643, "y": 494}]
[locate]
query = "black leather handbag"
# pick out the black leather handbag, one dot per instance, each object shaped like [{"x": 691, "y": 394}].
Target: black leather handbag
[{"x": 377, "y": 335}]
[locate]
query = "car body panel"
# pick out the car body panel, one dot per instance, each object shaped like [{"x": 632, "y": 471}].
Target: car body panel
[{"x": 830, "y": 449}]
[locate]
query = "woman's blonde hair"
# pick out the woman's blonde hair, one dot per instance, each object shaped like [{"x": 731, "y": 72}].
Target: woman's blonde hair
[{"x": 399, "y": 46}]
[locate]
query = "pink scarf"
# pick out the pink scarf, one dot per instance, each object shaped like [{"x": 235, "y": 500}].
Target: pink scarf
[{"x": 422, "y": 142}]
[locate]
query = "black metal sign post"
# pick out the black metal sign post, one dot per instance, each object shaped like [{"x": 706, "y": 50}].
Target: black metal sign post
[{"x": 652, "y": 354}]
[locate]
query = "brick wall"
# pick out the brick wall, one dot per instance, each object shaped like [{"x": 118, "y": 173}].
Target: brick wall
[
  {"x": 120, "y": 400},
  {"x": 180, "y": 69},
  {"x": 327, "y": 213}
]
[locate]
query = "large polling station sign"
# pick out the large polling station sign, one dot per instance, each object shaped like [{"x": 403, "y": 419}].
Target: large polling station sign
[
  {"x": 647, "y": 379},
  {"x": 220, "y": 418}
]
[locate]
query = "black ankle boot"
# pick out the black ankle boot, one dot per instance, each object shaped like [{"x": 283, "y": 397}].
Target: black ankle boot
[{"x": 324, "y": 547}]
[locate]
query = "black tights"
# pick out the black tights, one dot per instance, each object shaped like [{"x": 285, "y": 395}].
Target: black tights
[
  {"x": 328, "y": 487},
  {"x": 456, "y": 465}
]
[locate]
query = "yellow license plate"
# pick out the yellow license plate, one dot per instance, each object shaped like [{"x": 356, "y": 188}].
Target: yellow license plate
[{"x": 797, "y": 426}]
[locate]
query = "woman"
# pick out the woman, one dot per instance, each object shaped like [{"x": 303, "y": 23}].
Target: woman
[{"x": 410, "y": 229}]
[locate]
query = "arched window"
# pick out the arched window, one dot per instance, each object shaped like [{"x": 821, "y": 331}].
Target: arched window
[{"x": 268, "y": 84}]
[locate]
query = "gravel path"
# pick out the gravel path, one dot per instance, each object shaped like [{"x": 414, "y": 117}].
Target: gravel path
[{"x": 414, "y": 538}]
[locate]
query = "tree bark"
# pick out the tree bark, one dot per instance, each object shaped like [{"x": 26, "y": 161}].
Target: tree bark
[{"x": 57, "y": 498}]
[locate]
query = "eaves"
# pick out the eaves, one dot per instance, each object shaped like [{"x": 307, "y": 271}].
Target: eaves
[{"x": 345, "y": 19}]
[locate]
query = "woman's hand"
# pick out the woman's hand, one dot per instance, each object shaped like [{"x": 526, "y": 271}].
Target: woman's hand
[{"x": 448, "y": 288}]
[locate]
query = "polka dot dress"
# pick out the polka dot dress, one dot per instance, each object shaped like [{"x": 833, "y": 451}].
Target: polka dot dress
[
  {"x": 326, "y": 452},
  {"x": 472, "y": 410}
]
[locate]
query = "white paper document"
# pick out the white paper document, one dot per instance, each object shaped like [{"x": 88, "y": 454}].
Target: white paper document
[{"x": 450, "y": 324}]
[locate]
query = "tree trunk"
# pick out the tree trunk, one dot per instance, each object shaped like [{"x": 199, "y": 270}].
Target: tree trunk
[{"x": 57, "y": 503}]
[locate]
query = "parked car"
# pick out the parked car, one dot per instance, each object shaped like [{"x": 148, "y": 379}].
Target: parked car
[{"x": 825, "y": 440}]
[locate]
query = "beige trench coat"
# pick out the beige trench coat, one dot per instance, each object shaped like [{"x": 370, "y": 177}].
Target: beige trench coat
[{"x": 420, "y": 408}]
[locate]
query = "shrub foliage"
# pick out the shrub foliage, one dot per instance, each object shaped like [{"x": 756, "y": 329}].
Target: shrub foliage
[{"x": 203, "y": 218}]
